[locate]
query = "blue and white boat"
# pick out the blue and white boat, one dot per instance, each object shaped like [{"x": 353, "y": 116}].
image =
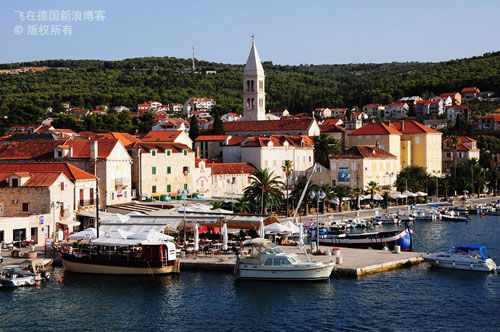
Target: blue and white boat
[
  {"x": 468, "y": 257},
  {"x": 374, "y": 240}
]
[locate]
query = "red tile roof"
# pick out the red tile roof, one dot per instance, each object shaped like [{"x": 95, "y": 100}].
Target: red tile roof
[
  {"x": 372, "y": 105},
  {"x": 331, "y": 128},
  {"x": 470, "y": 89},
  {"x": 462, "y": 139},
  {"x": 71, "y": 172},
  {"x": 364, "y": 151},
  {"x": 448, "y": 94},
  {"x": 331, "y": 122},
  {"x": 236, "y": 140},
  {"x": 211, "y": 138},
  {"x": 412, "y": 127},
  {"x": 232, "y": 168},
  {"x": 35, "y": 180},
  {"x": 45, "y": 149},
  {"x": 375, "y": 129},
  {"x": 161, "y": 147},
  {"x": 279, "y": 141},
  {"x": 495, "y": 117},
  {"x": 161, "y": 136},
  {"x": 268, "y": 125}
]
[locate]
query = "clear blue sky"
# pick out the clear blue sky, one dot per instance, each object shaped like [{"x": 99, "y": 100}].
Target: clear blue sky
[{"x": 287, "y": 31}]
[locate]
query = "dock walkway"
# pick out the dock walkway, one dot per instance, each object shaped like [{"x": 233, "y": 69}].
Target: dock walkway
[{"x": 355, "y": 262}]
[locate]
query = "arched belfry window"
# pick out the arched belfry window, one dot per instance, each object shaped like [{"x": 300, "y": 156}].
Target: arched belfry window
[
  {"x": 248, "y": 85},
  {"x": 248, "y": 102},
  {"x": 252, "y": 86},
  {"x": 252, "y": 103}
]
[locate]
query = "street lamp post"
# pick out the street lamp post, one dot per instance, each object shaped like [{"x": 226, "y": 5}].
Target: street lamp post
[
  {"x": 318, "y": 195},
  {"x": 437, "y": 172},
  {"x": 184, "y": 193}
]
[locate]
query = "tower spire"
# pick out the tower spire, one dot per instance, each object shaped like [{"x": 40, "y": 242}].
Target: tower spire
[{"x": 254, "y": 96}]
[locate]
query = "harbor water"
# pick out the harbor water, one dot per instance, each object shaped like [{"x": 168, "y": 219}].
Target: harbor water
[{"x": 412, "y": 299}]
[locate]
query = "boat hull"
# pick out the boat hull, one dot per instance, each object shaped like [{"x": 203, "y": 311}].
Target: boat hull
[
  {"x": 79, "y": 267},
  {"x": 261, "y": 273},
  {"x": 402, "y": 239},
  {"x": 481, "y": 266}
]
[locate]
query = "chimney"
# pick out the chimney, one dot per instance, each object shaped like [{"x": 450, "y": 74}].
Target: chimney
[
  {"x": 93, "y": 150},
  {"x": 402, "y": 125}
]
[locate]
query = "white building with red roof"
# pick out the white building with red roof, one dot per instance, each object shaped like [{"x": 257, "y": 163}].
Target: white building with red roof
[
  {"x": 489, "y": 122},
  {"x": 374, "y": 109},
  {"x": 456, "y": 97},
  {"x": 470, "y": 92},
  {"x": 410, "y": 141},
  {"x": 271, "y": 152},
  {"x": 397, "y": 110},
  {"x": 230, "y": 117},
  {"x": 210, "y": 146},
  {"x": 465, "y": 150}
]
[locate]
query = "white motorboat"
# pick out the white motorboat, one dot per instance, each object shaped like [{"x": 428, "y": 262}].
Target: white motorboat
[
  {"x": 471, "y": 258},
  {"x": 452, "y": 216},
  {"x": 13, "y": 276},
  {"x": 266, "y": 261},
  {"x": 388, "y": 219}
]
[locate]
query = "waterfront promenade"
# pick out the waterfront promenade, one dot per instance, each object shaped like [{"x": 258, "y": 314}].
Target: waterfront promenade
[{"x": 355, "y": 262}]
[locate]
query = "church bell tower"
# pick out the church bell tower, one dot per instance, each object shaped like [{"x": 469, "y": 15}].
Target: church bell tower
[{"x": 254, "y": 96}]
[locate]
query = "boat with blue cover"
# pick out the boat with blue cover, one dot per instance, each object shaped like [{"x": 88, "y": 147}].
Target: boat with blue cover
[{"x": 466, "y": 257}]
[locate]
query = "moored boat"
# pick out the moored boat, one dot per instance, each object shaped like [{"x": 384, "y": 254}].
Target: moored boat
[
  {"x": 13, "y": 276},
  {"x": 122, "y": 256},
  {"x": 452, "y": 216},
  {"x": 469, "y": 257},
  {"x": 374, "y": 240},
  {"x": 266, "y": 261}
]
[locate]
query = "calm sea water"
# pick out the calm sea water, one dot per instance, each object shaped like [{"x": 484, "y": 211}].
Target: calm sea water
[{"x": 413, "y": 299}]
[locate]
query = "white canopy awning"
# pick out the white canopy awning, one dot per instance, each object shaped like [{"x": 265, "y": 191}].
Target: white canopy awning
[
  {"x": 378, "y": 197},
  {"x": 398, "y": 196},
  {"x": 409, "y": 194},
  {"x": 275, "y": 228},
  {"x": 421, "y": 194}
]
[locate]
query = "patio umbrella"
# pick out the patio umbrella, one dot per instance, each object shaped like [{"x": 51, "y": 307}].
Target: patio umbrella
[
  {"x": 275, "y": 228},
  {"x": 290, "y": 226},
  {"x": 118, "y": 234},
  {"x": 419, "y": 193},
  {"x": 224, "y": 237},
  {"x": 377, "y": 197},
  {"x": 87, "y": 234},
  {"x": 196, "y": 238},
  {"x": 301, "y": 236},
  {"x": 261, "y": 227},
  {"x": 150, "y": 235}
]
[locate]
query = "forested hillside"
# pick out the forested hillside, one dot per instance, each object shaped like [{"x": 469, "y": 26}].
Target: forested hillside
[{"x": 86, "y": 83}]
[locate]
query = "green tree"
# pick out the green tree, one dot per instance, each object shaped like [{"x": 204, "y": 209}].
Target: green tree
[
  {"x": 265, "y": 188},
  {"x": 413, "y": 178},
  {"x": 217, "y": 205},
  {"x": 243, "y": 205},
  {"x": 356, "y": 192},
  {"x": 341, "y": 192},
  {"x": 372, "y": 187},
  {"x": 324, "y": 145},
  {"x": 218, "y": 126},
  {"x": 194, "y": 128},
  {"x": 298, "y": 188},
  {"x": 146, "y": 122}
]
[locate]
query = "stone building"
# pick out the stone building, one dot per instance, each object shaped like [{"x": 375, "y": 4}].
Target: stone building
[
  {"x": 107, "y": 158},
  {"x": 161, "y": 168},
  {"x": 230, "y": 179}
]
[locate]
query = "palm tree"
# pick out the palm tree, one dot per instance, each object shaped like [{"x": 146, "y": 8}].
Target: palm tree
[
  {"x": 356, "y": 192},
  {"x": 372, "y": 187},
  {"x": 299, "y": 188},
  {"x": 217, "y": 205},
  {"x": 324, "y": 145},
  {"x": 265, "y": 188},
  {"x": 386, "y": 195},
  {"x": 341, "y": 191},
  {"x": 243, "y": 205},
  {"x": 287, "y": 169}
]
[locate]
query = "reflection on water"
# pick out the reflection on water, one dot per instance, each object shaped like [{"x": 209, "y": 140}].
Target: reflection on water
[{"x": 418, "y": 298}]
